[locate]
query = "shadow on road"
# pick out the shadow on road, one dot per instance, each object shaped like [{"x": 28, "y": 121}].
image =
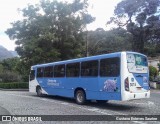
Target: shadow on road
[
  {"x": 4, "y": 111},
  {"x": 111, "y": 105}
]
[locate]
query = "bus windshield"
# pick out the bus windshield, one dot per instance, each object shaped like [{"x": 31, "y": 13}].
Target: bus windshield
[{"x": 137, "y": 63}]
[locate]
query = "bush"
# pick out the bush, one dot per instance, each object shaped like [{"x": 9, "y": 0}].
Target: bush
[
  {"x": 151, "y": 78},
  {"x": 14, "y": 85},
  {"x": 9, "y": 76},
  {"x": 153, "y": 72}
]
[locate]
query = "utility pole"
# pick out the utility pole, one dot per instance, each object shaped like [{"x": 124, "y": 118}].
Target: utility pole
[
  {"x": 86, "y": 11},
  {"x": 86, "y": 42}
]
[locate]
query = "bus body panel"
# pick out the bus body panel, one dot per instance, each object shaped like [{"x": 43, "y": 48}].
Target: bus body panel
[
  {"x": 138, "y": 82},
  {"x": 96, "y": 88},
  {"x": 92, "y": 87},
  {"x": 33, "y": 84},
  {"x": 110, "y": 88},
  {"x": 123, "y": 72},
  {"x": 55, "y": 86}
]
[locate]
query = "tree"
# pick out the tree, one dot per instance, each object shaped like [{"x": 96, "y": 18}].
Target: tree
[
  {"x": 101, "y": 41},
  {"x": 153, "y": 72},
  {"x": 50, "y": 31},
  {"x": 158, "y": 67},
  {"x": 141, "y": 19},
  {"x": 9, "y": 70},
  {"x": 95, "y": 39},
  {"x": 10, "y": 64}
]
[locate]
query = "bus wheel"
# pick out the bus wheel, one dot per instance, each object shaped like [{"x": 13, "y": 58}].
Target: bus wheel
[
  {"x": 80, "y": 97},
  {"x": 39, "y": 91},
  {"x": 101, "y": 101}
]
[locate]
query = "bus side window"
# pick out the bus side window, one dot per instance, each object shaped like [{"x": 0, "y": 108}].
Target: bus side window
[
  {"x": 110, "y": 67},
  {"x": 48, "y": 71},
  {"x": 59, "y": 70},
  {"x": 40, "y": 72},
  {"x": 72, "y": 70},
  {"x": 89, "y": 68},
  {"x": 32, "y": 75}
]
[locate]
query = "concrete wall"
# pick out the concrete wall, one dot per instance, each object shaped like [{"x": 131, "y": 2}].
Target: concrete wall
[{"x": 153, "y": 85}]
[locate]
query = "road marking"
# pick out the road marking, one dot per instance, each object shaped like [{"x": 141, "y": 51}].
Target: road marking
[
  {"x": 92, "y": 109},
  {"x": 97, "y": 110},
  {"x": 43, "y": 99},
  {"x": 138, "y": 122},
  {"x": 64, "y": 103},
  {"x": 150, "y": 103}
]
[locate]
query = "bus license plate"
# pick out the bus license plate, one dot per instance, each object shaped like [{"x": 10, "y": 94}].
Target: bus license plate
[{"x": 138, "y": 88}]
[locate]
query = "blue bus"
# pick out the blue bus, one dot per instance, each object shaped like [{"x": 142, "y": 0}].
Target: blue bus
[{"x": 115, "y": 76}]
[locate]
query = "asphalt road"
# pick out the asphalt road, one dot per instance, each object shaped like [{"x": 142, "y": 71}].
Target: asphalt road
[{"x": 25, "y": 103}]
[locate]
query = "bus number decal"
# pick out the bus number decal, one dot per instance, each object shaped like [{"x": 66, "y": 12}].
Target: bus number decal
[{"x": 52, "y": 83}]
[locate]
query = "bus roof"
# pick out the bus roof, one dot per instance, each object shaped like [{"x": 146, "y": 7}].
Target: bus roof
[{"x": 116, "y": 54}]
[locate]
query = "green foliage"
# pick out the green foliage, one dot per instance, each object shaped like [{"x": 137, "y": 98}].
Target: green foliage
[
  {"x": 101, "y": 41},
  {"x": 1, "y": 67},
  {"x": 54, "y": 35},
  {"x": 50, "y": 31},
  {"x": 141, "y": 18},
  {"x": 9, "y": 70},
  {"x": 10, "y": 63},
  {"x": 158, "y": 66},
  {"x": 152, "y": 72},
  {"x": 8, "y": 76},
  {"x": 14, "y": 85}
]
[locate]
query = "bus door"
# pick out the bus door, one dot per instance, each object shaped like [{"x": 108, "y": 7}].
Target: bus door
[{"x": 32, "y": 81}]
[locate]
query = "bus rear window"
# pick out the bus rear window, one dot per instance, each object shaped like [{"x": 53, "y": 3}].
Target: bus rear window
[{"x": 137, "y": 63}]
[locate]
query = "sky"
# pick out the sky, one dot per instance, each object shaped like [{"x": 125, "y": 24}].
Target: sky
[{"x": 102, "y": 10}]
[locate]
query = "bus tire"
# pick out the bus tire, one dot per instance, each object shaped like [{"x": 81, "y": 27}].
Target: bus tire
[
  {"x": 39, "y": 91},
  {"x": 80, "y": 97},
  {"x": 101, "y": 101}
]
